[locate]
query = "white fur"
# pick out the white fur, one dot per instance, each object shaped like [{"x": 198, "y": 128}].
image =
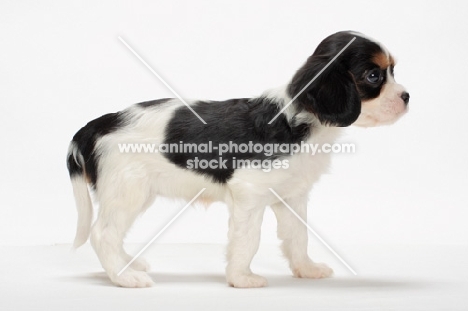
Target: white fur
[
  {"x": 128, "y": 184},
  {"x": 85, "y": 210},
  {"x": 385, "y": 109}
]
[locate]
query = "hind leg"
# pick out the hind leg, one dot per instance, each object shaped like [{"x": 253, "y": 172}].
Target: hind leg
[
  {"x": 118, "y": 211},
  {"x": 139, "y": 263}
]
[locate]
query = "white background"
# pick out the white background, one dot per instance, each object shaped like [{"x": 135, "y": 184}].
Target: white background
[{"x": 62, "y": 65}]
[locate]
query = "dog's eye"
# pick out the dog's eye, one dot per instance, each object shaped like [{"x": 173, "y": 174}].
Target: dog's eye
[{"x": 374, "y": 76}]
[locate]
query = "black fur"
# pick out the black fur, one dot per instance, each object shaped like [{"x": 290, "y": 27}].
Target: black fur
[
  {"x": 238, "y": 120},
  {"x": 74, "y": 168},
  {"x": 152, "y": 103},
  {"x": 335, "y": 96},
  {"x": 86, "y": 138}
]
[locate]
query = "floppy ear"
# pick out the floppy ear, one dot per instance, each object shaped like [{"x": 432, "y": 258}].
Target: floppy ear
[{"x": 332, "y": 96}]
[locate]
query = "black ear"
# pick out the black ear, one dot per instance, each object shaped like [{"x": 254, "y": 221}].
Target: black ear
[{"x": 332, "y": 96}]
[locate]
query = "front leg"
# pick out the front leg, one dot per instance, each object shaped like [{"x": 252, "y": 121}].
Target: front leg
[
  {"x": 295, "y": 239},
  {"x": 244, "y": 238}
]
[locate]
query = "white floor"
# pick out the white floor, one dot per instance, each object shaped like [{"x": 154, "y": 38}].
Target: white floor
[{"x": 190, "y": 277}]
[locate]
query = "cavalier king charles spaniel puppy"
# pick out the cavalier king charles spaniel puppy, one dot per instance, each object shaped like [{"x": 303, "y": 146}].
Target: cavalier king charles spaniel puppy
[{"x": 229, "y": 149}]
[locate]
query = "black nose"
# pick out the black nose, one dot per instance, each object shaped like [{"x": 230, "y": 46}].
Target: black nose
[{"x": 405, "y": 96}]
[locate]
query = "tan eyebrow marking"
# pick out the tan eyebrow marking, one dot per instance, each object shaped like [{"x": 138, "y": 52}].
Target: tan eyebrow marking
[{"x": 381, "y": 60}]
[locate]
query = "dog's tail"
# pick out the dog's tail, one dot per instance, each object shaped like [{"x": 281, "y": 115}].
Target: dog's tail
[{"x": 75, "y": 164}]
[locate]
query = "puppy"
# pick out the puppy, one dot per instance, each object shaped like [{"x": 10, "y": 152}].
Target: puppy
[{"x": 358, "y": 87}]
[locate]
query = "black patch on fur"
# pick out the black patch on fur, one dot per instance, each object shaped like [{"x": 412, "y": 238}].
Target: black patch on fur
[
  {"x": 73, "y": 167},
  {"x": 335, "y": 96},
  {"x": 239, "y": 121},
  {"x": 153, "y": 103},
  {"x": 85, "y": 139}
]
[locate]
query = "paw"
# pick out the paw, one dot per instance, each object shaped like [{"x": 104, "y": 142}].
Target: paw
[
  {"x": 140, "y": 264},
  {"x": 312, "y": 270},
  {"x": 132, "y": 278},
  {"x": 247, "y": 281}
]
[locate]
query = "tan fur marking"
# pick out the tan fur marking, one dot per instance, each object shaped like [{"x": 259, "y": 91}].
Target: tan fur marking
[
  {"x": 205, "y": 201},
  {"x": 381, "y": 60},
  {"x": 88, "y": 179},
  {"x": 392, "y": 61}
]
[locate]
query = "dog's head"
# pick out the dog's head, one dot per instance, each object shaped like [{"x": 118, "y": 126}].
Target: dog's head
[{"x": 343, "y": 85}]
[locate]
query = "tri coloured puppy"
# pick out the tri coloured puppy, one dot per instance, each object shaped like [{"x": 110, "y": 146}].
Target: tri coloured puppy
[{"x": 358, "y": 88}]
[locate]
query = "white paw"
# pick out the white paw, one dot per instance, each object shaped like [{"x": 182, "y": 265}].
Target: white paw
[
  {"x": 132, "y": 278},
  {"x": 140, "y": 264},
  {"x": 312, "y": 270},
  {"x": 247, "y": 281}
]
